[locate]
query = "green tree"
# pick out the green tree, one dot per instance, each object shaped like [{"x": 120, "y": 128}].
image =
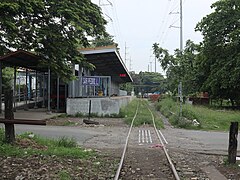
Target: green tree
[
  {"x": 148, "y": 82},
  {"x": 53, "y": 29},
  {"x": 182, "y": 66},
  {"x": 103, "y": 41},
  {"x": 220, "y": 54}
]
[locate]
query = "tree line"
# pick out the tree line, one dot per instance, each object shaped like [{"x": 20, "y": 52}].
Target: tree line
[
  {"x": 54, "y": 30},
  {"x": 213, "y": 65}
]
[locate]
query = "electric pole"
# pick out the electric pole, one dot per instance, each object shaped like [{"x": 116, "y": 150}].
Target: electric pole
[
  {"x": 181, "y": 51},
  {"x": 125, "y": 59},
  {"x": 181, "y": 27},
  {"x": 155, "y": 64},
  {"x": 130, "y": 63}
]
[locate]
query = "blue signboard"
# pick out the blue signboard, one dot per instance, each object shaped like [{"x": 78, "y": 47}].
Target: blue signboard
[{"x": 91, "y": 81}]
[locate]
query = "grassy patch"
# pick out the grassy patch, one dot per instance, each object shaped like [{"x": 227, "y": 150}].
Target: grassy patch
[
  {"x": 209, "y": 119},
  {"x": 129, "y": 111},
  {"x": 64, "y": 175},
  {"x": 29, "y": 145},
  {"x": 70, "y": 123},
  {"x": 143, "y": 117}
]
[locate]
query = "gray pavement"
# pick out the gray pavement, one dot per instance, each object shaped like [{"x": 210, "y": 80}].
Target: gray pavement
[
  {"x": 33, "y": 114},
  {"x": 198, "y": 141}
]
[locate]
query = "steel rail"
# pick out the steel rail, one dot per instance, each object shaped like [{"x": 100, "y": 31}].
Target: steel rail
[
  {"x": 164, "y": 148},
  {"x": 125, "y": 146}
]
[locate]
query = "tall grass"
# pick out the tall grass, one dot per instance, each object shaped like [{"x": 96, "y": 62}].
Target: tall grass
[
  {"x": 63, "y": 146},
  {"x": 209, "y": 119},
  {"x": 143, "y": 117}
]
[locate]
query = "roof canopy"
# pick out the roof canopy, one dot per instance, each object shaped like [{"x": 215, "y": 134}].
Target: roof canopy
[
  {"x": 108, "y": 63},
  {"x": 23, "y": 59}
]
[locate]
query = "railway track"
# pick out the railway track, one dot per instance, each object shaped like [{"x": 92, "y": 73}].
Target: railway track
[{"x": 145, "y": 154}]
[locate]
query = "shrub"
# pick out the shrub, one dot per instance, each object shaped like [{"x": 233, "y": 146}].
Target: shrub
[{"x": 66, "y": 142}]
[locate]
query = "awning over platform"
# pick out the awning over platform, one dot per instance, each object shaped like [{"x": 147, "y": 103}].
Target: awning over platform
[
  {"x": 108, "y": 63},
  {"x": 23, "y": 59}
]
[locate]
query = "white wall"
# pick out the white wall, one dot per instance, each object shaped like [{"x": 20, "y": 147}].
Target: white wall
[{"x": 100, "y": 106}]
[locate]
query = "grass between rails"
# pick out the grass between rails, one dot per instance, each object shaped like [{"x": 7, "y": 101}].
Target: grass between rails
[
  {"x": 143, "y": 117},
  {"x": 63, "y": 147},
  {"x": 209, "y": 119}
]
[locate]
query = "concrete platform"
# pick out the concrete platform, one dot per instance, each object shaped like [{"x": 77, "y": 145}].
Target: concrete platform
[
  {"x": 99, "y": 106},
  {"x": 33, "y": 114}
]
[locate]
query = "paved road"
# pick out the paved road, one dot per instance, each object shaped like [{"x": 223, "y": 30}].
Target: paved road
[
  {"x": 81, "y": 135},
  {"x": 114, "y": 137}
]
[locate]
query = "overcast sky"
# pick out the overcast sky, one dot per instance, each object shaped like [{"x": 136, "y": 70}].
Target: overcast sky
[{"x": 140, "y": 23}]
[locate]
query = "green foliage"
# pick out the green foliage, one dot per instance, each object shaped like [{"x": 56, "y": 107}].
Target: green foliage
[
  {"x": 2, "y": 135},
  {"x": 127, "y": 87},
  {"x": 7, "y": 77},
  {"x": 144, "y": 116},
  {"x": 66, "y": 142},
  {"x": 182, "y": 66},
  {"x": 64, "y": 147},
  {"x": 53, "y": 29},
  {"x": 79, "y": 114},
  {"x": 148, "y": 82},
  {"x": 209, "y": 119},
  {"x": 220, "y": 54},
  {"x": 69, "y": 123},
  {"x": 100, "y": 41},
  {"x": 130, "y": 110},
  {"x": 64, "y": 175}
]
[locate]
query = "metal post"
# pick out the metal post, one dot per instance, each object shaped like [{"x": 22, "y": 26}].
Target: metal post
[
  {"x": 181, "y": 27},
  {"x": 58, "y": 93},
  {"x": 89, "y": 109},
  {"x": 30, "y": 95},
  {"x": 36, "y": 89},
  {"x": 0, "y": 88},
  {"x": 26, "y": 92},
  {"x": 110, "y": 86},
  {"x": 49, "y": 89},
  {"x": 73, "y": 82},
  {"x": 80, "y": 80},
  {"x": 181, "y": 50},
  {"x": 14, "y": 89},
  {"x": 180, "y": 98},
  {"x": 19, "y": 89},
  {"x": 44, "y": 85}
]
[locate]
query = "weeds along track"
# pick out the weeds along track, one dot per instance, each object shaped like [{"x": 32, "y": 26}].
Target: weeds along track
[{"x": 145, "y": 154}]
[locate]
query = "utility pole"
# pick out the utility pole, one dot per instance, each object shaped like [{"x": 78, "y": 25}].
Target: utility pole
[
  {"x": 150, "y": 66},
  {"x": 125, "y": 59},
  {"x": 181, "y": 51},
  {"x": 155, "y": 64},
  {"x": 130, "y": 63},
  {"x": 181, "y": 27}
]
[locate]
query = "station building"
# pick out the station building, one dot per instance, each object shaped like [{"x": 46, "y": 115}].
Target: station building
[
  {"x": 96, "y": 91},
  {"x": 101, "y": 86}
]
